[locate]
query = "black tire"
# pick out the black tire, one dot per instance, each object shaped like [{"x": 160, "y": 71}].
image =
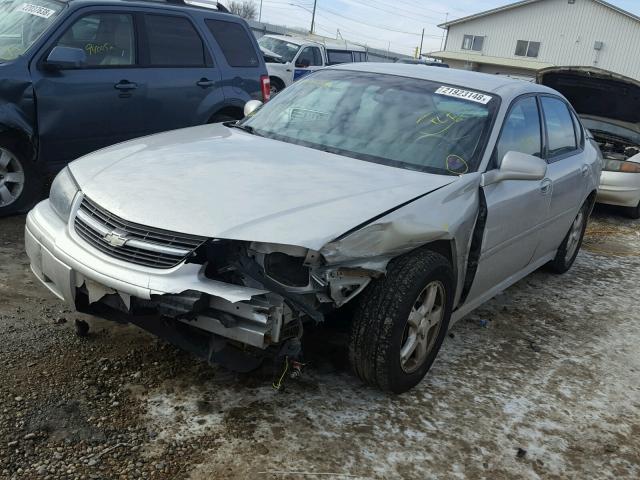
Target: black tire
[
  {"x": 564, "y": 259},
  {"x": 32, "y": 187},
  {"x": 381, "y": 320},
  {"x": 276, "y": 86},
  {"x": 634, "y": 212}
]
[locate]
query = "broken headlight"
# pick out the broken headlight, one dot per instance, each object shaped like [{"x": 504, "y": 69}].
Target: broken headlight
[
  {"x": 286, "y": 269},
  {"x": 63, "y": 191}
]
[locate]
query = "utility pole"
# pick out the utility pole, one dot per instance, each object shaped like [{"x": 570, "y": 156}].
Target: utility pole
[
  {"x": 313, "y": 16},
  {"x": 421, "y": 42},
  {"x": 446, "y": 19},
  {"x": 260, "y": 14}
]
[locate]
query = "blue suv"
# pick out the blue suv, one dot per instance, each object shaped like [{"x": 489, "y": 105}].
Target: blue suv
[{"x": 79, "y": 75}]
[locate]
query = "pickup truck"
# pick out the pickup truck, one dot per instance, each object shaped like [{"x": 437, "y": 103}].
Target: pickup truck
[{"x": 290, "y": 58}]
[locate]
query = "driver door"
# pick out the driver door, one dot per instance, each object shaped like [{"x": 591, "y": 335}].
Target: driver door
[
  {"x": 101, "y": 103},
  {"x": 516, "y": 209},
  {"x": 308, "y": 60}
]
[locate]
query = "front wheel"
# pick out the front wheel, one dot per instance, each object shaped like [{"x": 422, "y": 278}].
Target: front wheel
[
  {"x": 568, "y": 251},
  {"x": 401, "y": 322},
  {"x": 634, "y": 212},
  {"x": 20, "y": 182}
]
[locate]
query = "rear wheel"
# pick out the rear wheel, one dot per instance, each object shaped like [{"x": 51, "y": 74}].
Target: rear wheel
[
  {"x": 401, "y": 322},
  {"x": 20, "y": 182},
  {"x": 276, "y": 86},
  {"x": 568, "y": 251}
]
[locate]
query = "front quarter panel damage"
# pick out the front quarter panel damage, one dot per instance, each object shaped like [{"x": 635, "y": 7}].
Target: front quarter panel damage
[
  {"x": 447, "y": 214},
  {"x": 17, "y": 107}
]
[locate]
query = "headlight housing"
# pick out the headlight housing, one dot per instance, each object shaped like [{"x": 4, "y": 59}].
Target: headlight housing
[
  {"x": 63, "y": 191},
  {"x": 621, "y": 166}
]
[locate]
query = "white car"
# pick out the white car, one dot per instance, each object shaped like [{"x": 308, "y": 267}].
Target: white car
[
  {"x": 290, "y": 58},
  {"x": 415, "y": 193}
]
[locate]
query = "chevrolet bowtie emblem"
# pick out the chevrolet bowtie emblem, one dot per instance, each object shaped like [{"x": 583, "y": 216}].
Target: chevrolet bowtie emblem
[{"x": 115, "y": 239}]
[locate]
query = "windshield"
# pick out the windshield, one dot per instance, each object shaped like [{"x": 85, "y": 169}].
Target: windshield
[
  {"x": 611, "y": 129},
  {"x": 21, "y": 23},
  {"x": 286, "y": 50},
  {"x": 397, "y": 121}
]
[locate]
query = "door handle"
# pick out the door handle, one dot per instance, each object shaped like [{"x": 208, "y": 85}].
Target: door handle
[
  {"x": 125, "y": 85},
  {"x": 585, "y": 170},
  {"x": 545, "y": 186},
  {"x": 205, "y": 83}
]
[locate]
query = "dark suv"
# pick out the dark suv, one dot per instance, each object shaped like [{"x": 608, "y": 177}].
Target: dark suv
[{"x": 79, "y": 75}]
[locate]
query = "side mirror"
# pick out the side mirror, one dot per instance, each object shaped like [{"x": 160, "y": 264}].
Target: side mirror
[
  {"x": 251, "y": 106},
  {"x": 517, "y": 166},
  {"x": 66, "y": 57},
  {"x": 304, "y": 63}
]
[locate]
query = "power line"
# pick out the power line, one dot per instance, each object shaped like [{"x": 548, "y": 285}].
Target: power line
[
  {"x": 405, "y": 13},
  {"x": 333, "y": 12}
]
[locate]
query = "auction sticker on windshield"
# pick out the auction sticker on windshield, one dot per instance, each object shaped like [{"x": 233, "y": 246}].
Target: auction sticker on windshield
[
  {"x": 464, "y": 94},
  {"x": 36, "y": 10}
]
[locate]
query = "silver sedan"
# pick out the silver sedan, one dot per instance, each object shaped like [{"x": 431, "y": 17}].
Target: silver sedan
[{"x": 414, "y": 193}]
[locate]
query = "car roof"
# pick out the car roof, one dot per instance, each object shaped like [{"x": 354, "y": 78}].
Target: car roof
[
  {"x": 329, "y": 43},
  {"x": 505, "y": 87},
  {"x": 205, "y": 6}
]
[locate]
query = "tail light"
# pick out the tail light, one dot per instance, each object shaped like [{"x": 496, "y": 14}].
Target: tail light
[
  {"x": 265, "y": 85},
  {"x": 621, "y": 166}
]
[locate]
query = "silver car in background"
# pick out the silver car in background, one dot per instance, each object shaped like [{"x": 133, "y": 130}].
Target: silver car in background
[{"x": 413, "y": 193}]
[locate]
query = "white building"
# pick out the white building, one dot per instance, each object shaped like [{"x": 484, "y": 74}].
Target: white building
[{"x": 524, "y": 37}]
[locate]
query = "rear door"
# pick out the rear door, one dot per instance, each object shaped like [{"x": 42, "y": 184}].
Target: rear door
[
  {"x": 184, "y": 83},
  {"x": 567, "y": 168},
  {"x": 516, "y": 209},
  {"x": 237, "y": 47}
]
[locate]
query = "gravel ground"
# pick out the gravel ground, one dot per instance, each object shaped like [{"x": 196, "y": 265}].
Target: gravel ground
[{"x": 542, "y": 382}]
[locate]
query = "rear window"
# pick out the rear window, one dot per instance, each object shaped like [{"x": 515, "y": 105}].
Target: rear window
[
  {"x": 235, "y": 43},
  {"x": 339, "y": 56},
  {"x": 560, "y": 130},
  {"x": 173, "y": 42}
]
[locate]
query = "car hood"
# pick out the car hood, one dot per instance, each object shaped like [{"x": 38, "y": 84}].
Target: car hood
[
  {"x": 216, "y": 181},
  {"x": 596, "y": 93}
]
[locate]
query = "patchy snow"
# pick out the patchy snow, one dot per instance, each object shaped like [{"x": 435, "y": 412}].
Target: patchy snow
[{"x": 555, "y": 372}]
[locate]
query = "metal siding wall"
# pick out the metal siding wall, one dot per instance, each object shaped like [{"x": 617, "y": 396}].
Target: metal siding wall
[{"x": 567, "y": 33}]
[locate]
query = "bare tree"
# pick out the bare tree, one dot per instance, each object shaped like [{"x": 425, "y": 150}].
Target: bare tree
[{"x": 244, "y": 9}]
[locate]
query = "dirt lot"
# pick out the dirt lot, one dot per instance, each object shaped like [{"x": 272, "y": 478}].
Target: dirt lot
[{"x": 542, "y": 382}]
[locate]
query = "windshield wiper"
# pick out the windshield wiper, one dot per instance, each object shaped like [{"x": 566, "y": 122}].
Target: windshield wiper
[{"x": 244, "y": 128}]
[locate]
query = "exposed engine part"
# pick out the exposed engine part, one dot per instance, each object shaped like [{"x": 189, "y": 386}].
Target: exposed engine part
[
  {"x": 615, "y": 148},
  {"x": 287, "y": 361}
]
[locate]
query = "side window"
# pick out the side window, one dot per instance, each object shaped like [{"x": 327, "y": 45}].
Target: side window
[
  {"x": 521, "y": 131},
  {"x": 309, "y": 56},
  {"x": 108, "y": 39},
  {"x": 235, "y": 43},
  {"x": 339, "y": 56},
  {"x": 173, "y": 42},
  {"x": 560, "y": 130}
]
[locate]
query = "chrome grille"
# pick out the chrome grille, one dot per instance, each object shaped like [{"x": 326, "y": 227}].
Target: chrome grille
[{"x": 131, "y": 242}]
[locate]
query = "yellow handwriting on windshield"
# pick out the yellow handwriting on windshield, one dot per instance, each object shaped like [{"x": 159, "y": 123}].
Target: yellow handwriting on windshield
[{"x": 437, "y": 123}]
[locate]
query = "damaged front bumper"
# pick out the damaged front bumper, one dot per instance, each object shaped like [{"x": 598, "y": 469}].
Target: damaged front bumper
[{"x": 93, "y": 282}]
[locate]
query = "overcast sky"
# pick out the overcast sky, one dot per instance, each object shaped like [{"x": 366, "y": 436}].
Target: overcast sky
[{"x": 378, "y": 22}]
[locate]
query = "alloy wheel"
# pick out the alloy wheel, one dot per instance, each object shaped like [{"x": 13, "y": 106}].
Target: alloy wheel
[
  {"x": 11, "y": 178},
  {"x": 423, "y": 327},
  {"x": 574, "y": 235}
]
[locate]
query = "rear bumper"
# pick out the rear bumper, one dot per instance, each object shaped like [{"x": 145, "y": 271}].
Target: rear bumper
[
  {"x": 68, "y": 267},
  {"x": 622, "y": 189}
]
